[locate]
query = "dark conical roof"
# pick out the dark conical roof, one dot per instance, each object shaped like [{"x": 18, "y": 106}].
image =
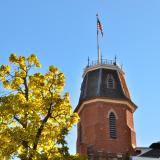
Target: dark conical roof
[
  {"x": 94, "y": 83},
  {"x": 155, "y": 145}
]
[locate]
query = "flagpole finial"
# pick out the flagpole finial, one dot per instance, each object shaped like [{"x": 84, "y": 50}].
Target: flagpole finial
[
  {"x": 88, "y": 61},
  {"x": 115, "y": 60}
]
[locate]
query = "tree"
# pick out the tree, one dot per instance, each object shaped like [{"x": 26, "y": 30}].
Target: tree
[{"x": 34, "y": 116}]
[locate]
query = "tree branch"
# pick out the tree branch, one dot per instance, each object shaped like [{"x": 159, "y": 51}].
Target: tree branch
[
  {"x": 39, "y": 132},
  {"x": 19, "y": 121},
  {"x": 26, "y": 87},
  {"x": 26, "y": 95}
]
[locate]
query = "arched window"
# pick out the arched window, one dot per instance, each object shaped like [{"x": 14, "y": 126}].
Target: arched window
[
  {"x": 110, "y": 82},
  {"x": 112, "y": 126}
]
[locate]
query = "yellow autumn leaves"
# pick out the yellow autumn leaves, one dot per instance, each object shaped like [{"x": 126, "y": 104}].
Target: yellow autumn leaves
[
  {"x": 21, "y": 61},
  {"x": 35, "y": 114}
]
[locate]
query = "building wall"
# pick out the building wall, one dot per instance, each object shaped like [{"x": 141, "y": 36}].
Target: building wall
[{"x": 93, "y": 129}]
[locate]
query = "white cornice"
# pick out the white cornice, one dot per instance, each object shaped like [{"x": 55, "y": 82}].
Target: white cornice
[
  {"x": 106, "y": 66},
  {"x": 106, "y": 100}
]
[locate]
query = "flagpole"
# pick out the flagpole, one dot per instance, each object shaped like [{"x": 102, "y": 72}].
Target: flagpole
[{"x": 98, "y": 49}]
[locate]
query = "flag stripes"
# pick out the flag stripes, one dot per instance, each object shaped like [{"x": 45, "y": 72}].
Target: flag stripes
[{"x": 99, "y": 26}]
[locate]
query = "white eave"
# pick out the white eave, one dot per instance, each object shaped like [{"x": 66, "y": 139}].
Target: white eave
[{"x": 105, "y": 66}]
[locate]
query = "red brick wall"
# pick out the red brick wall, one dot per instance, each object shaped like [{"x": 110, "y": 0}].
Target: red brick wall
[{"x": 95, "y": 128}]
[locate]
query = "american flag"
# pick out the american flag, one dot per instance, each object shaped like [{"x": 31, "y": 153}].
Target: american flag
[{"x": 99, "y": 26}]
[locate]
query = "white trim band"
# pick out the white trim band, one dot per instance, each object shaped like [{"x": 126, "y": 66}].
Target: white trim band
[{"x": 106, "y": 100}]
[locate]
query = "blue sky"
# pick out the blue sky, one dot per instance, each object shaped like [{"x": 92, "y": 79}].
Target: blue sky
[{"x": 63, "y": 33}]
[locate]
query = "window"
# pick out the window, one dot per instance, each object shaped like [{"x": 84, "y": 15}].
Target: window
[
  {"x": 112, "y": 126},
  {"x": 110, "y": 82}
]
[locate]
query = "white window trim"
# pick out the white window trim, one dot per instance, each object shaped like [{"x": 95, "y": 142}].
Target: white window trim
[
  {"x": 110, "y": 77},
  {"x": 112, "y": 111}
]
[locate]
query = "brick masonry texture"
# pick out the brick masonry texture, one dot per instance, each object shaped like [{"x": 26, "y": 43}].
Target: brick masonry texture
[{"x": 93, "y": 130}]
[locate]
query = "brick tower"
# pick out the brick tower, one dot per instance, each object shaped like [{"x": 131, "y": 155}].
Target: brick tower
[{"x": 105, "y": 129}]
